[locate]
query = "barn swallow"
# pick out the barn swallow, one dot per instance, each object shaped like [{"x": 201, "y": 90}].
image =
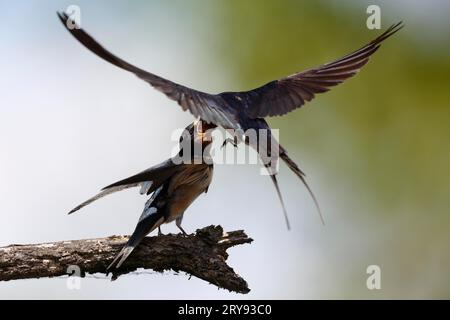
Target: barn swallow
[
  {"x": 174, "y": 185},
  {"x": 246, "y": 110}
]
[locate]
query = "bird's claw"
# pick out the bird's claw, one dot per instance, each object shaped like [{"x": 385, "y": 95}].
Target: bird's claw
[
  {"x": 229, "y": 140},
  {"x": 183, "y": 233}
]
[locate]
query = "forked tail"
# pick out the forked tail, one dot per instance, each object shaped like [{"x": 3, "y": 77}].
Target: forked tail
[
  {"x": 299, "y": 173},
  {"x": 150, "y": 219},
  {"x": 275, "y": 182}
]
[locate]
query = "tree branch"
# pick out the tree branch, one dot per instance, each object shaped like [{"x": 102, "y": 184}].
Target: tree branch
[{"x": 202, "y": 254}]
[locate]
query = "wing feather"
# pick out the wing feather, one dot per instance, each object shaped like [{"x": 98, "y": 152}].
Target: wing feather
[
  {"x": 287, "y": 94},
  {"x": 188, "y": 99}
]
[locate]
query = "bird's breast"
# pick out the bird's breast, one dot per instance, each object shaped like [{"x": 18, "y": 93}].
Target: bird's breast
[{"x": 186, "y": 186}]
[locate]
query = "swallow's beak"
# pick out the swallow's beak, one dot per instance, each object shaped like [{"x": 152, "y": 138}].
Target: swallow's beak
[{"x": 202, "y": 131}]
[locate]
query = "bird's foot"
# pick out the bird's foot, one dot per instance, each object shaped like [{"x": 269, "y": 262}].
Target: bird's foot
[
  {"x": 184, "y": 233},
  {"x": 159, "y": 232},
  {"x": 229, "y": 140}
]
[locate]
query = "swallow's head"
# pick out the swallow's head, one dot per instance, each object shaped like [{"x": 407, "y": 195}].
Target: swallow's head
[
  {"x": 202, "y": 132},
  {"x": 195, "y": 138}
]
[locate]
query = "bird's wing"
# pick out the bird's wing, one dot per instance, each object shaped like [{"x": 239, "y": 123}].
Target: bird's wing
[
  {"x": 102, "y": 194},
  {"x": 208, "y": 107},
  {"x": 282, "y": 96},
  {"x": 149, "y": 180}
]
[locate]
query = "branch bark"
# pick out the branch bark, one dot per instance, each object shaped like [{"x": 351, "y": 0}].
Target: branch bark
[{"x": 202, "y": 255}]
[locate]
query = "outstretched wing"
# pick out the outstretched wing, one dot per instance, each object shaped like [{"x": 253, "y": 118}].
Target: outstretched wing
[
  {"x": 282, "y": 96},
  {"x": 149, "y": 180},
  {"x": 208, "y": 107},
  {"x": 102, "y": 194}
]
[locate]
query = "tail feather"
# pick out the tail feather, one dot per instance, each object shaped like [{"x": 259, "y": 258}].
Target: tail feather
[
  {"x": 294, "y": 167},
  {"x": 121, "y": 257},
  {"x": 150, "y": 219},
  {"x": 291, "y": 164},
  {"x": 275, "y": 182}
]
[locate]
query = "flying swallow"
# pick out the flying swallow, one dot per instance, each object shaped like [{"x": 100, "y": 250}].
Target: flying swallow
[
  {"x": 246, "y": 110},
  {"x": 174, "y": 185}
]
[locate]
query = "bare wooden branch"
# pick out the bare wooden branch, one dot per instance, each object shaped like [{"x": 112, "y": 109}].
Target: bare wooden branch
[{"x": 202, "y": 255}]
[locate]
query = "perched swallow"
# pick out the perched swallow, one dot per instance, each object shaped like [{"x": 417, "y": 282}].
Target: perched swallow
[
  {"x": 246, "y": 110},
  {"x": 174, "y": 184}
]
